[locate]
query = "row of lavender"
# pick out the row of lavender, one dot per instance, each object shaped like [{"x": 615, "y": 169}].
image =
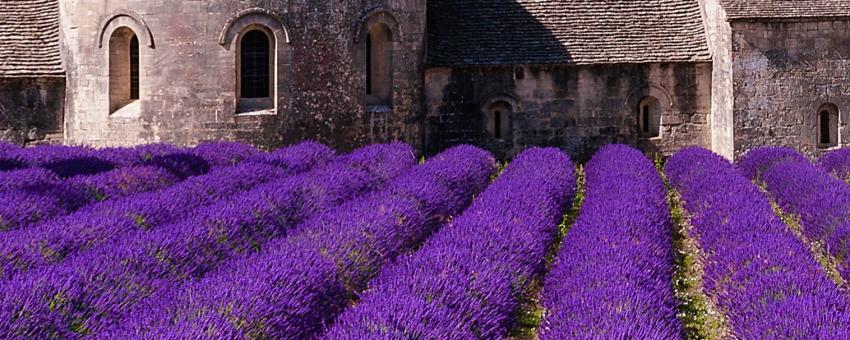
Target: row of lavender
[
  {"x": 816, "y": 193},
  {"x": 282, "y": 246},
  {"x": 617, "y": 258},
  {"x": 53, "y": 240},
  {"x": 90, "y": 289},
  {"x": 467, "y": 280},
  {"x": 51, "y": 181},
  {"x": 761, "y": 276},
  {"x": 71, "y": 161},
  {"x": 298, "y": 283}
]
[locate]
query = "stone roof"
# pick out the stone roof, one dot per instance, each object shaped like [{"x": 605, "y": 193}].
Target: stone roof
[
  {"x": 577, "y": 32},
  {"x": 29, "y": 38},
  {"x": 785, "y": 9}
]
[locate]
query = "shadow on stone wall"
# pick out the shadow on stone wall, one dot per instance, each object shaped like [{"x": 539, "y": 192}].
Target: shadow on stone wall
[
  {"x": 477, "y": 38},
  {"x": 31, "y": 109}
]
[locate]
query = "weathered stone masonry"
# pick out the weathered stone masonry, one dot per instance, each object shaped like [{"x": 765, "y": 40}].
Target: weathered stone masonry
[
  {"x": 189, "y": 81},
  {"x": 503, "y": 74},
  {"x": 573, "y": 75},
  {"x": 577, "y": 108},
  {"x": 32, "y": 81},
  {"x": 785, "y": 73}
]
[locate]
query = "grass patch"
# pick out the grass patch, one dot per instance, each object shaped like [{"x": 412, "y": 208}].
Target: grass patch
[
  {"x": 700, "y": 316},
  {"x": 530, "y": 314}
]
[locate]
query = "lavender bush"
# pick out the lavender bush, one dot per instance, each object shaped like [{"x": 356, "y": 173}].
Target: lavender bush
[
  {"x": 67, "y": 161},
  {"x": 136, "y": 155},
  {"x": 38, "y": 197},
  {"x": 466, "y": 280},
  {"x": 757, "y": 161},
  {"x": 25, "y": 207},
  {"x": 11, "y": 161},
  {"x": 70, "y": 161},
  {"x": 181, "y": 164},
  {"x": 292, "y": 161},
  {"x": 29, "y": 178},
  {"x": 224, "y": 153},
  {"x": 297, "y": 283},
  {"x": 123, "y": 182},
  {"x": 757, "y": 271},
  {"x": 53, "y": 241},
  {"x": 98, "y": 285},
  {"x": 6, "y": 148},
  {"x": 8, "y": 157},
  {"x": 613, "y": 275},
  {"x": 837, "y": 163},
  {"x": 822, "y": 203}
]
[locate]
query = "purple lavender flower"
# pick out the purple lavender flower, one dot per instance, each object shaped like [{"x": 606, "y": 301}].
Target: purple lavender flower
[
  {"x": 26, "y": 178},
  {"x": 760, "y": 275},
  {"x": 9, "y": 157},
  {"x": 181, "y": 164},
  {"x": 123, "y": 182},
  {"x": 296, "y": 283},
  {"x": 31, "y": 204},
  {"x": 40, "y": 155},
  {"x": 6, "y": 148},
  {"x": 757, "y": 161},
  {"x": 133, "y": 156},
  {"x": 99, "y": 285},
  {"x": 54, "y": 240},
  {"x": 466, "y": 280},
  {"x": 11, "y": 163},
  {"x": 822, "y": 203},
  {"x": 300, "y": 161},
  {"x": 224, "y": 153},
  {"x": 66, "y": 161},
  {"x": 613, "y": 276},
  {"x": 837, "y": 163},
  {"x": 37, "y": 195}
]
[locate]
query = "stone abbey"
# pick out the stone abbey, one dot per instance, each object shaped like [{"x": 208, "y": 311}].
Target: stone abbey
[{"x": 502, "y": 74}]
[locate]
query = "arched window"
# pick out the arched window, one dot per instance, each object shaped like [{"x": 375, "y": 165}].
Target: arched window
[
  {"x": 379, "y": 65},
  {"x": 498, "y": 119},
  {"x": 256, "y": 67},
  {"x": 828, "y": 126},
  {"x": 124, "y": 69},
  {"x": 649, "y": 117}
]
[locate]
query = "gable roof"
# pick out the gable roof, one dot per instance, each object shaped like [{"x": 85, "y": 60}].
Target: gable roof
[
  {"x": 29, "y": 38},
  {"x": 785, "y": 9},
  {"x": 573, "y": 32}
]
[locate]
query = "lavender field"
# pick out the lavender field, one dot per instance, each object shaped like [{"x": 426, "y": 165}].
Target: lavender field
[{"x": 222, "y": 241}]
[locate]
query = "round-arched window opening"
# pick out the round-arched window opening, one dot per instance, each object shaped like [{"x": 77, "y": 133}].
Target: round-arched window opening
[
  {"x": 255, "y": 65},
  {"x": 827, "y": 129},
  {"x": 498, "y": 120},
  {"x": 379, "y": 65},
  {"x": 124, "y": 69},
  {"x": 649, "y": 117}
]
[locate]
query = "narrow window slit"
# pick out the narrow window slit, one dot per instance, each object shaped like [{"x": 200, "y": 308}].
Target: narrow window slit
[
  {"x": 134, "y": 68},
  {"x": 497, "y": 119},
  {"x": 824, "y": 128},
  {"x": 369, "y": 64}
]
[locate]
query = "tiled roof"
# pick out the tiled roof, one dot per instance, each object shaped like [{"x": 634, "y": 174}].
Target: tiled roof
[
  {"x": 580, "y": 32},
  {"x": 781, "y": 9},
  {"x": 29, "y": 38}
]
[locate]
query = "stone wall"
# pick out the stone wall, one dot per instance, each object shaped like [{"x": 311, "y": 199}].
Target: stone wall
[
  {"x": 783, "y": 73},
  {"x": 188, "y": 61},
  {"x": 30, "y": 109},
  {"x": 577, "y": 108},
  {"x": 719, "y": 35}
]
